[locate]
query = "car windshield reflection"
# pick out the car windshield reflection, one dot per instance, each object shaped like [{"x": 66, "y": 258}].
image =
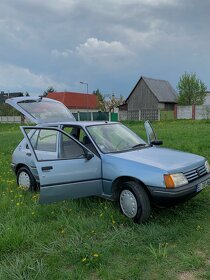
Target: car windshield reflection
[{"x": 111, "y": 138}]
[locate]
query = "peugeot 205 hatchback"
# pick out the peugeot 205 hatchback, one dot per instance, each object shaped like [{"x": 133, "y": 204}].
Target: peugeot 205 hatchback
[{"x": 66, "y": 159}]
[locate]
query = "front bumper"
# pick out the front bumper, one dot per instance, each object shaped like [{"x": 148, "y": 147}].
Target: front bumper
[{"x": 167, "y": 197}]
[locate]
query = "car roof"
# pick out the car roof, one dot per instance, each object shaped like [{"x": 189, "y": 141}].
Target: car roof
[{"x": 78, "y": 123}]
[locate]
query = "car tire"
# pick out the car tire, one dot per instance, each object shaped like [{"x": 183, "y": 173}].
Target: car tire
[
  {"x": 134, "y": 202},
  {"x": 26, "y": 180}
]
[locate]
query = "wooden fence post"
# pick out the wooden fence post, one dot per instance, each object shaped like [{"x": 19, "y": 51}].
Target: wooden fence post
[{"x": 193, "y": 111}]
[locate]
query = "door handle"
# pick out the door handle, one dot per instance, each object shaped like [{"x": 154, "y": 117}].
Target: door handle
[
  {"x": 47, "y": 168},
  {"x": 28, "y": 154}
]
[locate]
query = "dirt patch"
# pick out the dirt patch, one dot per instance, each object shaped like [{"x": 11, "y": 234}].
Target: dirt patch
[{"x": 187, "y": 275}]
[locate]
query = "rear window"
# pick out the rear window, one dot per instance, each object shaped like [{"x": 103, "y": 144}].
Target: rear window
[{"x": 47, "y": 111}]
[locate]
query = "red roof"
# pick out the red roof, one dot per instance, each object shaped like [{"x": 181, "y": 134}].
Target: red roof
[{"x": 75, "y": 100}]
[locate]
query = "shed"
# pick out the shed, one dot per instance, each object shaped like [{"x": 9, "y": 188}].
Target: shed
[
  {"x": 151, "y": 93},
  {"x": 6, "y": 95}
]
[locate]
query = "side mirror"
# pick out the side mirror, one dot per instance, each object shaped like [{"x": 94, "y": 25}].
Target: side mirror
[
  {"x": 157, "y": 142},
  {"x": 88, "y": 155}
]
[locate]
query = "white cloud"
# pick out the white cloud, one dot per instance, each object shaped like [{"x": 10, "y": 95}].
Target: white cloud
[
  {"x": 15, "y": 78},
  {"x": 106, "y": 54},
  {"x": 94, "y": 48}
]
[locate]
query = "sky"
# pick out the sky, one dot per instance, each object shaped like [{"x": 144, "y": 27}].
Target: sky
[{"x": 108, "y": 44}]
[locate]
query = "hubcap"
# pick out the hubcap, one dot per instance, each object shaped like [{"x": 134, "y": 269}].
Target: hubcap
[
  {"x": 24, "y": 180},
  {"x": 128, "y": 203}
]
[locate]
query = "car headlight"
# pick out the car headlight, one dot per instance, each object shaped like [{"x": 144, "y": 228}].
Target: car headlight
[
  {"x": 207, "y": 167},
  {"x": 175, "y": 180}
]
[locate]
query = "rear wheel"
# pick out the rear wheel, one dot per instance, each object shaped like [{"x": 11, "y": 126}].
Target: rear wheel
[
  {"x": 134, "y": 202},
  {"x": 26, "y": 180}
]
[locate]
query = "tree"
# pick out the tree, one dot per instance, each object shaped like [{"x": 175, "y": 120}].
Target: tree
[
  {"x": 113, "y": 102},
  {"x": 101, "y": 100},
  {"x": 191, "y": 90},
  {"x": 49, "y": 89},
  {"x": 107, "y": 102}
]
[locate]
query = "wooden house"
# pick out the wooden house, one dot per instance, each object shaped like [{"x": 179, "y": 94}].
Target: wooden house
[
  {"x": 151, "y": 93},
  {"x": 147, "y": 98}
]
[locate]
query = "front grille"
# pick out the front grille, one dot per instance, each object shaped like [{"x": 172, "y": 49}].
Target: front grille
[{"x": 195, "y": 173}]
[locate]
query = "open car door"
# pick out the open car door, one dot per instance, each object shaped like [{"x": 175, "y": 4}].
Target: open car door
[
  {"x": 151, "y": 136},
  {"x": 41, "y": 110},
  {"x": 66, "y": 168}
]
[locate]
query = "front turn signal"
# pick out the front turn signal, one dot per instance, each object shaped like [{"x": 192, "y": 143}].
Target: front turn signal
[{"x": 168, "y": 181}]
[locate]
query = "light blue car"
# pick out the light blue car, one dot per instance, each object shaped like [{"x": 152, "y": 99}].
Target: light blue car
[{"x": 67, "y": 159}]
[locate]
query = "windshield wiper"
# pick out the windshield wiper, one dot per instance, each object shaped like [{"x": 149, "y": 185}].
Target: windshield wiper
[{"x": 139, "y": 145}]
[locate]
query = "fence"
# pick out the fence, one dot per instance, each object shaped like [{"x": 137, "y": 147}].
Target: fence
[
  {"x": 96, "y": 116},
  {"x": 180, "y": 112},
  {"x": 166, "y": 115},
  {"x": 82, "y": 116},
  {"x": 145, "y": 114},
  {"x": 194, "y": 112},
  {"x": 10, "y": 119}
]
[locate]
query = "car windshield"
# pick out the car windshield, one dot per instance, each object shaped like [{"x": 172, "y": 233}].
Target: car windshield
[{"x": 115, "y": 138}]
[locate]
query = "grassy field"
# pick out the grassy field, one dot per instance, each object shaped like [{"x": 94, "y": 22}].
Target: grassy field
[{"x": 89, "y": 239}]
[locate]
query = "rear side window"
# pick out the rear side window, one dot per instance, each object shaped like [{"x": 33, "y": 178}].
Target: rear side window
[
  {"x": 34, "y": 139},
  {"x": 46, "y": 141},
  {"x": 50, "y": 144}
]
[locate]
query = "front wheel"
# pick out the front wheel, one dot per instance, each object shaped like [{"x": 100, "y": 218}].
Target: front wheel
[
  {"x": 134, "y": 202},
  {"x": 26, "y": 180}
]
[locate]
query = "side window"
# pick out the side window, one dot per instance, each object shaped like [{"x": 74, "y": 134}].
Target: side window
[
  {"x": 79, "y": 134},
  {"x": 69, "y": 149},
  {"x": 34, "y": 138},
  {"x": 73, "y": 131},
  {"x": 46, "y": 141}
]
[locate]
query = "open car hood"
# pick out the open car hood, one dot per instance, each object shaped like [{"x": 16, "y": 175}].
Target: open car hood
[{"x": 41, "y": 110}]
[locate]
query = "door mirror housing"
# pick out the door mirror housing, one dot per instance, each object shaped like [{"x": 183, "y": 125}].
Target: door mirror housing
[
  {"x": 157, "y": 142},
  {"x": 88, "y": 155}
]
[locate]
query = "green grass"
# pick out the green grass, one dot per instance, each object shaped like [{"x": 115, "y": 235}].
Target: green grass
[{"x": 89, "y": 239}]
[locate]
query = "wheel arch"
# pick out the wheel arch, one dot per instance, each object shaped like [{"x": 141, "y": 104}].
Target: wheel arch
[
  {"x": 20, "y": 165},
  {"x": 35, "y": 184},
  {"x": 116, "y": 186}
]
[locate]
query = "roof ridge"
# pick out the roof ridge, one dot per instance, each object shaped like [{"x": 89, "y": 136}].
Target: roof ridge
[{"x": 143, "y": 77}]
